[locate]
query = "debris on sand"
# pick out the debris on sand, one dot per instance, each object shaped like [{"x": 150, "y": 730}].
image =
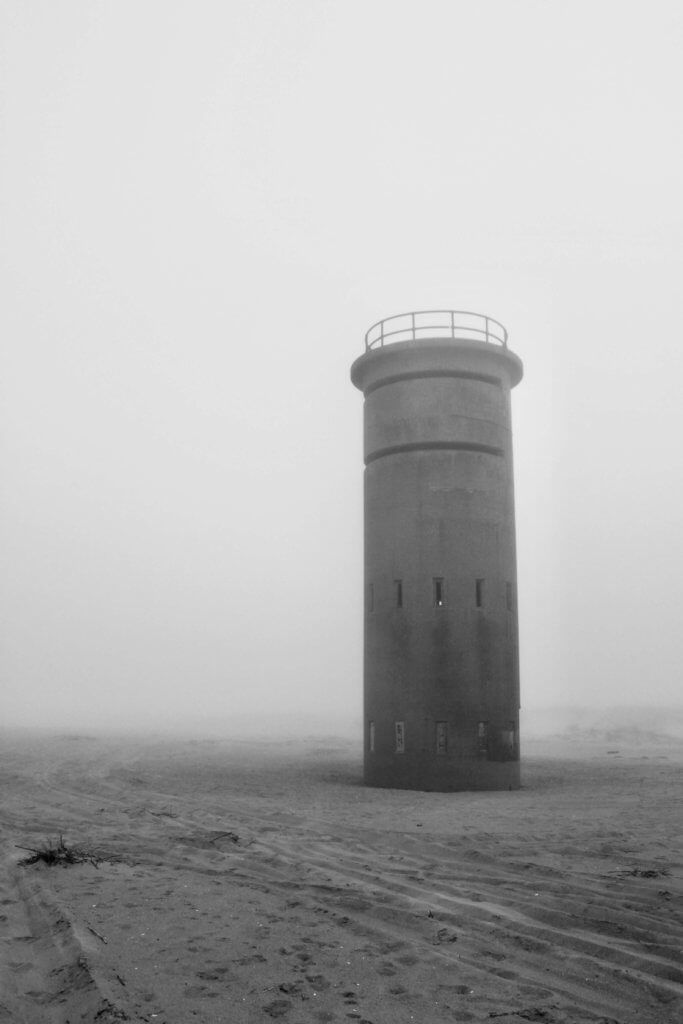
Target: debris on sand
[{"x": 58, "y": 853}]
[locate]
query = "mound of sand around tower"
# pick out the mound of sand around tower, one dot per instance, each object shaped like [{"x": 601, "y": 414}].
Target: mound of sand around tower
[{"x": 248, "y": 881}]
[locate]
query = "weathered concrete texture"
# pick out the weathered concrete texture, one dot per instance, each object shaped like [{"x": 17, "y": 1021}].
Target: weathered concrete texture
[{"x": 441, "y": 653}]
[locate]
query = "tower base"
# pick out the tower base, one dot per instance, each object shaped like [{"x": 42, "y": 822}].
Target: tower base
[{"x": 465, "y": 775}]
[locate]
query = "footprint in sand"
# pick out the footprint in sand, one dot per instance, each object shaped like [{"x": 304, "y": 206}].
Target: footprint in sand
[
  {"x": 391, "y": 947},
  {"x": 215, "y": 974},
  {"x": 318, "y": 981},
  {"x": 278, "y": 1007},
  {"x": 492, "y": 955},
  {"x": 408, "y": 960},
  {"x": 20, "y": 968},
  {"x": 194, "y": 991},
  {"x": 252, "y": 958},
  {"x": 386, "y": 969},
  {"x": 293, "y": 988}
]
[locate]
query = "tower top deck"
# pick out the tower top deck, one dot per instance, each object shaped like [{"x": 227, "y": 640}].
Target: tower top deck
[
  {"x": 458, "y": 325},
  {"x": 436, "y": 343}
]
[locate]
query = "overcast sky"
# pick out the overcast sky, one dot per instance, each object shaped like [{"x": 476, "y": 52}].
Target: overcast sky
[{"x": 203, "y": 207}]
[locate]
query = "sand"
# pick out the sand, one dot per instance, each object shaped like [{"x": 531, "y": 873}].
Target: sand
[{"x": 242, "y": 881}]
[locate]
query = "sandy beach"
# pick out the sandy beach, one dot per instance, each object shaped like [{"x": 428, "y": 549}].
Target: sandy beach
[{"x": 242, "y": 880}]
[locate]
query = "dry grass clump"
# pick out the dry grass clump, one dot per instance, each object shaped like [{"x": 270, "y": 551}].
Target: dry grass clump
[{"x": 57, "y": 852}]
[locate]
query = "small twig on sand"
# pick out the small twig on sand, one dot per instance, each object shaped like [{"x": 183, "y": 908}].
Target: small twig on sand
[
  {"x": 170, "y": 813},
  {"x": 232, "y": 836},
  {"x": 101, "y": 937}
]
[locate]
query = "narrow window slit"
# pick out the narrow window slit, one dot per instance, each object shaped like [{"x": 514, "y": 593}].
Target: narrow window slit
[
  {"x": 479, "y": 593},
  {"x": 398, "y": 589},
  {"x": 438, "y": 592}
]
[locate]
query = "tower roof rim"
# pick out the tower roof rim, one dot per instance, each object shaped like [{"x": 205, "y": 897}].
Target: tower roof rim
[{"x": 436, "y": 357}]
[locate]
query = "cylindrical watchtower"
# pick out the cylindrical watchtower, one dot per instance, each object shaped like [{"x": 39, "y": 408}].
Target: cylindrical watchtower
[{"x": 441, "y": 687}]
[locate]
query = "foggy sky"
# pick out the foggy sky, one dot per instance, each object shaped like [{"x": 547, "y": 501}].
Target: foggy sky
[{"x": 204, "y": 206}]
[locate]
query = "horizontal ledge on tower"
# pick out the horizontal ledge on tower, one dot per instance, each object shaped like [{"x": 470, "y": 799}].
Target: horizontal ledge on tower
[
  {"x": 398, "y": 378},
  {"x": 432, "y": 446}
]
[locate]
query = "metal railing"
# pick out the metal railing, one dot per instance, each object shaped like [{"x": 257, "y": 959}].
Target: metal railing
[{"x": 436, "y": 323}]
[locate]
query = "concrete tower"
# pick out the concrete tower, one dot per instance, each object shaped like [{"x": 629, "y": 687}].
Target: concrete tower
[{"x": 441, "y": 651}]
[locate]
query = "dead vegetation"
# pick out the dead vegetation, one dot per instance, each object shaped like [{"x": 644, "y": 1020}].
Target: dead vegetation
[{"x": 58, "y": 853}]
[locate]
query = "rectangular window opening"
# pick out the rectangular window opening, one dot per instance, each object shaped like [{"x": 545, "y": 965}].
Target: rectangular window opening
[
  {"x": 483, "y": 737},
  {"x": 438, "y": 592},
  {"x": 371, "y": 737},
  {"x": 441, "y": 738},
  {"x": 479, "y": 593},
  {"x": 398, "y": 589},
  {"x": 400, "y": 735}
]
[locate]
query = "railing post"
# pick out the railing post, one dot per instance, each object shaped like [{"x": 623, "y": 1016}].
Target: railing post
[
  {"x": 452, "y": 325},
  {"x": 413, "y": 318},
  {"x": 381, "y": 334},
  {"x": 487, "y": 327}
]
